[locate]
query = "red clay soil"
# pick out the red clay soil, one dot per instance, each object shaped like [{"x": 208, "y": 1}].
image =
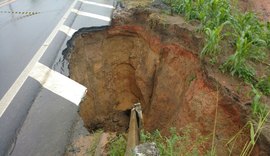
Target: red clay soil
[{"x": 141, "y": 60}]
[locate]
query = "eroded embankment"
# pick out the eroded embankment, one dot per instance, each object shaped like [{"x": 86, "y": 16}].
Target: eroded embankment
[{"x": 129, "y": 63}]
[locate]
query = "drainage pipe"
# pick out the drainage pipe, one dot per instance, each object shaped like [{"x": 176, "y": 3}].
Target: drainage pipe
[{"x": 134, "y": 129}]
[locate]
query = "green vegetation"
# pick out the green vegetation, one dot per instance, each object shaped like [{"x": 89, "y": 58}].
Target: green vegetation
[
  {"x": 260, "y": 114},
  {"x": 264, "y": 85},
  {"x": 255, "y": 125},
  {"x": 249, "y": 38},
  {"x": 117, "y": 146},
  {"x": 248, "y": 43},
  {"x": 188, "y": 143},
  {"x": 94, "y": 143},
  {"x": 221, "y": 22},
  {"x": 176, "y": 144},
  {"x": 213, "y": 36},
  {"x": 236, "y": 64}
]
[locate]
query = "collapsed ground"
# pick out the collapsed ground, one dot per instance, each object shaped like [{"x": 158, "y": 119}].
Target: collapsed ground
[{"x": 145, "y": 58}]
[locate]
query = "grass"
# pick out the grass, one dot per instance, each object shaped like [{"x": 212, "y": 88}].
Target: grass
[
  {"x": 117, "y": 146},
  {"x": 95, "y": 141},
  {"x": 171, "y": 145},
  {"x": 260, "y": 114},
  {"x": 264, "y": 85},
  {"x": 188, "y": 143},
  {"x": 175, "y": 143}
]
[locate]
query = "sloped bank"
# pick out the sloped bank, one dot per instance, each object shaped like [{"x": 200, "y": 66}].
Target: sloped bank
[{"x": 143, "y": 59}]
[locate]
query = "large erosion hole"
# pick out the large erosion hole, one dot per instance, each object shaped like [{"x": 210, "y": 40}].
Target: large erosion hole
[{"x": 123, "y": 65}]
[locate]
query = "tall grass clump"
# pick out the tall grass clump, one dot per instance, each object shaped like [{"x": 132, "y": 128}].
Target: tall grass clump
[
  {"x": 255, "y": 125},
  {"x": 117, "y": 146},
  {"x": 176, "y": 144},
  {"x": 264, "y": 85}
]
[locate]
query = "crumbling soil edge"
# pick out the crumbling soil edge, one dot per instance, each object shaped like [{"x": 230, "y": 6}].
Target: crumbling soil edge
[{"x": 210, "y": 80}]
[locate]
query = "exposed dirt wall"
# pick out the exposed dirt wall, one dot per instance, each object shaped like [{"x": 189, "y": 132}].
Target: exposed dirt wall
[
  {"x": 125, "y": 64},
  {"x": 141, "y": 60}
]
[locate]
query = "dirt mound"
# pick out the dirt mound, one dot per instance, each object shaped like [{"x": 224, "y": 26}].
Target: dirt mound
[{"x": 141, "y": 59}]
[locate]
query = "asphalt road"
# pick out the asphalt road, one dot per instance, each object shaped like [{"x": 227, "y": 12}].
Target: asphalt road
[
  {"x": 24, "y": 26},
  {"x": 38, "y": 104}
]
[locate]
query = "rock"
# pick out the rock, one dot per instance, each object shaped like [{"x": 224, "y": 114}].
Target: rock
[{"x": 146, "y": 149}]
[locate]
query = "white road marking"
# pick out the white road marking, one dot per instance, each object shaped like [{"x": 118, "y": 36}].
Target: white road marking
[
  {"x": 58, "y": 83},
  {"x": 87, "y": 14},
  {"x": 67, "y": 30},
  {"x": 97, "y": 4},
  {"x": 13, "y": 90},
  {"x": 6, "y": 2}
]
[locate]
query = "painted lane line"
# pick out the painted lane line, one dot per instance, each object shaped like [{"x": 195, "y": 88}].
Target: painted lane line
[
  {"x": 58, "y": 83},
  {"x": 97, "y": 4},
  {"x": 67, "y": 30},
  {"x": 6, "y": 2},
  {"x": 13, "y": 90},
  {"x": 87, "y": 14}
]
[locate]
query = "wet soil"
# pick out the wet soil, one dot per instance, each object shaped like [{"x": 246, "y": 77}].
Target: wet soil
[{"x": 144, "y": 58}]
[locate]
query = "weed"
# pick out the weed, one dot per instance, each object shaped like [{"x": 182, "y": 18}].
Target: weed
[
  {"x": 117, "y": 146},
  {"x": 95, "y": 141},
  {"x": 175, "y": 144},
  {"x": 259, "y": 110},
  {"x": 255, "y": 131},
  {"x": 260, "y": 113},
  {"x": 264, "y": 85}
]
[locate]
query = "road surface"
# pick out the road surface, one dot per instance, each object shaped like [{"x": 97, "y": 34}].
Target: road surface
[
  {"x": 22, "y": 34},
  {"x": 33, "y": 34}
]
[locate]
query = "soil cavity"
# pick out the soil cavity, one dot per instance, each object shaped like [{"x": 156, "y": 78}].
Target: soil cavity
[{"x": 127, "y": 64}]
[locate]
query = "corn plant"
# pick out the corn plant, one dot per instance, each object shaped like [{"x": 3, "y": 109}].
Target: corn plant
[
  {"x": 213, "y": 38},
  {"x": 251, "y": 25},
  {"x": 218, "y": 12},
  {"x": 236, "y": 63},
  {"x": 241, "y": 21},
  {"x": 185, "y": 7}
]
